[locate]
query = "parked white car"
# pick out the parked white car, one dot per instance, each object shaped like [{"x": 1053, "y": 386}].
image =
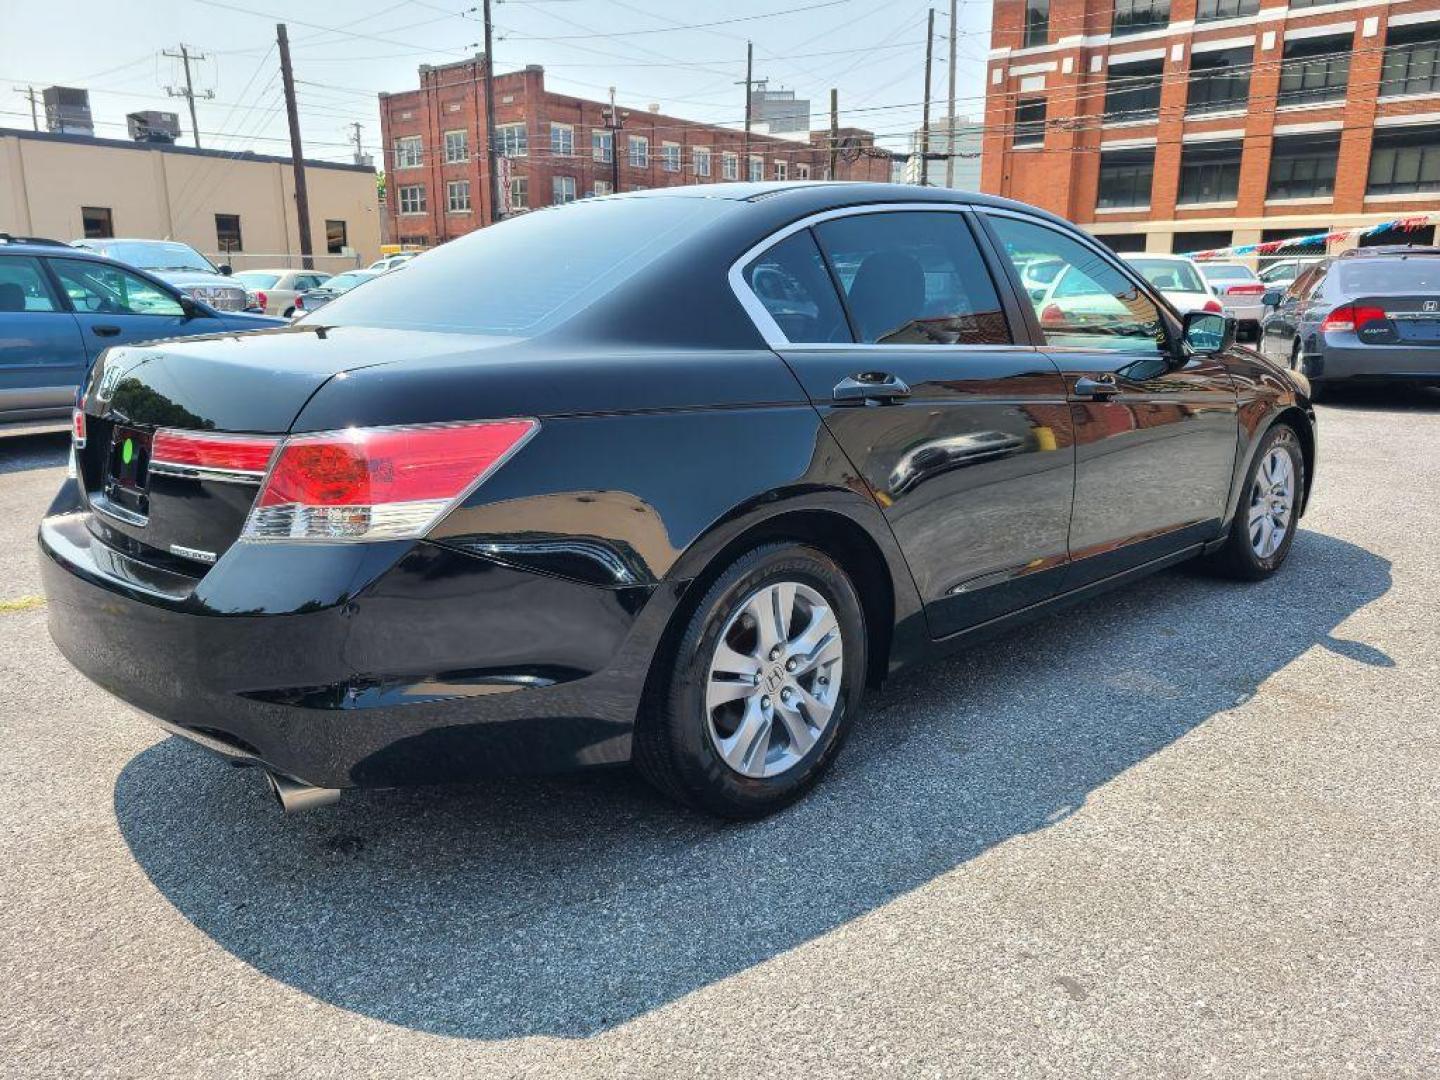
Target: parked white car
[
  {"x": 277, "y": 289},
  {"x": 1179, "y": 278},
  {"x": 1241, "y": 292},
  {"x": 390, "y": 262}
]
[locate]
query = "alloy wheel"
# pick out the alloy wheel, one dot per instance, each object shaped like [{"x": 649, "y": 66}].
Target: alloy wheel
[
  {"x": 1272, "y": 502},
  {"x": 774, "y": 679}
]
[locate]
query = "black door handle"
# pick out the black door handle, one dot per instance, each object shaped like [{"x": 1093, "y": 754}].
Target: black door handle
[
  {"x": 877, "y": 386},
  {"x": 106, "y": 331},
  {"x": 1101, "y": 386}
]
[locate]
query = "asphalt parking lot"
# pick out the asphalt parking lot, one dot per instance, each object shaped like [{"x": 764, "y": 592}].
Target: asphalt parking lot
[{"x": 1189, "y": 829}]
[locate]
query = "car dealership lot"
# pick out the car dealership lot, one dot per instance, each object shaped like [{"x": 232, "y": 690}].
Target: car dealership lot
[{"x": 1185, "y": 830}]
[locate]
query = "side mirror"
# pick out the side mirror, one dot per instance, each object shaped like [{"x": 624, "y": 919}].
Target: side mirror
[
  {"x": 1208, "y": 333},
  {"x": 1036, "y": 295},
  {"x": 191, "y": 309},
  {"x": 1272, "y": 298},
  {"x": 226, "y": 269}
]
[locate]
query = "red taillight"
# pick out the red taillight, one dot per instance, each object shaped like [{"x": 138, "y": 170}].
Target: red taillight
[
  {"x": 378, "y": 483},
  {"x": 300, "y": 302},
  {"x": 1350, "y": 317},
  {"x": 262, "y": 299},
  {"x": 1214, "y": 306},
  {"x": 1255, "y": 289},
  {"x": 77, "y": 427},
  {"x": 1052, "y": 315},
  {"x": 201, "y": 451}
]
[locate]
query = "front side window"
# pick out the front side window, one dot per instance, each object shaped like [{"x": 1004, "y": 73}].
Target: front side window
[
  {"x": 407, "y": 152},
  {"x": 1138, "y": 16},
  {"x": 639, "y": 152},
  {"x": 794, "y": 286},
  {"x": 102, "y": 289},
  {"x": 512, "y": 140},
  {"x": 1219, "y": 80},
  {"x": 97, "y": 222},
  {"x": 1030, "y": 123},
  {"x": 913, "y": 278},
  {"x": 23, "y": 286},
  {"x": 1404, "y": 161},
  {"x": 1412, "y": 60},
  {"x": 457, "y": 196},
  {"x": 457, "y": 147},
  {"x": 227, "y": 232},
  {"x": 1210, "y": 172},
  {"x": 670, "y": 157},
  {"x": 412, "y": 199},
  {"x": 1132, "y": 91},
  {"x": 1126, "y": 176},
  {"x": 1314, "y": 69},
  {"x": 562, "y": 190},
  {"x": 1090, "y": 303},
  {"x": 730, "y": 166},
  {"x": 1303, "y": 166},
  {"x": 602, "y": 146},
  {"x": 562, "y": 140},
  {"x": 702, "y": 161}
]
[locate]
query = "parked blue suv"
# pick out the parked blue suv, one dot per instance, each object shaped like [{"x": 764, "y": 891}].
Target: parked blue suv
[{"x": 60, "y": 307}]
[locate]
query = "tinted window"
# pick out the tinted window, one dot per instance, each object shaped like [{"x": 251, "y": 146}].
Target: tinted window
[
  {"x": 344, "y": 282},
  {"x": 791, "y": 281},
  {"x": 99, "y": 288},
  {"x": 1169, "y": 274},
  {"x": 1227, "y": 272},
  {"x": 914, "y": 279},
  {"x": 530, "y": 272},
  {"x": 1091, "y": 304},
  {"x": 1363, "y": 276},
  {"x": 157, "y": 255},
  {"x": 23, "y": 286}
]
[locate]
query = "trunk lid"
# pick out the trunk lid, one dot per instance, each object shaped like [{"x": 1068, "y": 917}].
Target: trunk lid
[{"x": 1409, "y": 319}]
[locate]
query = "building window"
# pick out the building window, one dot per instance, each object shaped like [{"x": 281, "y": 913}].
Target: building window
[
  {"x": 227, "y": 233},
  {"x": 457, "y": 196},
  {"x": 1303, "y": 166},
  {"x": 1125, "y": 177},
  {"x": 1412, "y": 60},
  {"x": 602, "y": 146},
  {"x": 408, "y": 152},
  {"x": 1219, "y": 80},
  {"x": 97, "y": 222},
  {"x": 562, "y": 140},
  {"x": 519, "y": 193},
  {"x": 730, "y": 166},
  {"x": 756, "y": 169},
  {"x": 562, "y": 190},
  {"x": 457, "y": 147},
  {"x": 412, "y": 199},
  {"x": 1182, "y": 243},
  {"x": 1132, "y": 91},
  {"x": 1404, "y": 161},
  {"x": 670, "y": 157},
  {"x": 512, "y": 140},
  {"x": 1314, "y": 69},
  {"x": 1124, "y": 243},
  {"x": 1037, "y": 22},
  {"x": 702, "y": 161},
  {"x": 782, "y": 171},
  {"x": 802, "y": 171},
  {"x": 1210, "y": 172},
  {"x": 337, "y": 238},
  {"x": 1030, "y": 122},
  {"x": 639, "y": 152},
  {"x": 1210, "y": 10},
  {"x": 1137, "y": 16},
  {"x": 602, "y": 187}
]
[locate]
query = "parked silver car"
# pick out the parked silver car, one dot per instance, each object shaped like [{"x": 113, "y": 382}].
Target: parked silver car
[
  {"x": 308, "y": 301},
  {"x": 277, "y": 289},
  {"x": 181, "y": 266},
  {"x": 1240, "y": 291}
]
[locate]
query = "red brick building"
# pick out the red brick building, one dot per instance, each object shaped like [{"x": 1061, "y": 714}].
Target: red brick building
[
  {"x": 560, "y": 148},
  {"x": 1188, "y": 124}
]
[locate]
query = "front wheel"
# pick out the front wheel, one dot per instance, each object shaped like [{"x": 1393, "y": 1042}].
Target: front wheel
[
  {"x": 767, "y": 678},
  {"x": 1263, "y": 527}
]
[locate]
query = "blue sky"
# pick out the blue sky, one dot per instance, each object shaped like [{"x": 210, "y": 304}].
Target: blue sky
[{"x": 345, "y": 52}]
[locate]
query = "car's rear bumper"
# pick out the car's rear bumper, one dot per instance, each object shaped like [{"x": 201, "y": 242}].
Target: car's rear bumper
[
  {"x": 1378, "y": 363},
  {"x": 443, "y": 666}
]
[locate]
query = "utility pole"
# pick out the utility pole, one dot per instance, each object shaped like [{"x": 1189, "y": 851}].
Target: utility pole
[
  {"x": 496, "y": 201},
  {"x": 834, "y": 133},
  {"x": 749, "y": 78},
  {"x": 29, "y": 92},
  {"x": 925, "y": 121},
  {"x": 188, "y": 91},
  {"x": 297, "y": 155},
  {"x": 950, "y": 125},
  {"x": 359, "y": 147},
  {"x": 612, "y": 121}
]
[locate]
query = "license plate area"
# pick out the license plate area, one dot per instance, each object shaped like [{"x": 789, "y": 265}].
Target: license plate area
[{"x": 127, "y": 474}]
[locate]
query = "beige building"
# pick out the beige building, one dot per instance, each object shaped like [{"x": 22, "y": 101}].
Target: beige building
[{"x": 238, "y": 208}]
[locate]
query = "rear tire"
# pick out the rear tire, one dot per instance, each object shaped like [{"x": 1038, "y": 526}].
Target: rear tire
[
  {"x": 1267, "y": 514},
  {"x": 718, "y": 735}
]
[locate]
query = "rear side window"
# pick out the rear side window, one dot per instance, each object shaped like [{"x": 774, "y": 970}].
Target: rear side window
[
  {"x": 791, "y": 281},
  {"x": 23, "y": 286},
  {"x": 914, "y": 278},
  {"x": 1391, "y": 276}
]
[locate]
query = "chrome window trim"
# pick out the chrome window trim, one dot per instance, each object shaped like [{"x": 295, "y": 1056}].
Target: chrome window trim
[
  {"x": 770, "y": 330},
  {"x": 195, "y": 472}
]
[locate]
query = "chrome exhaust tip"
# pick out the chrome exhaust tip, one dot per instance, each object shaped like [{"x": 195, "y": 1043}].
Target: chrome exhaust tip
[{"x": 296, "y": 795}]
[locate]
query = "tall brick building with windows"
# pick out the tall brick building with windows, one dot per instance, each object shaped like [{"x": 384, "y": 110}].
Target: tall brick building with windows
[
  {"x": 560, "y": 148},
  {"x": 1182, "y": 125}
]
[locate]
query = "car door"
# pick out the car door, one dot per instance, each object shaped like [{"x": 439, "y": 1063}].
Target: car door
[
  {"x": 892, "y": 321},
  {"x": 1281, "y": 328},
  {"x": 115, "y": 306},
  {"x": 42, "y": 356},
  {"x": 1156, "y": 429}
]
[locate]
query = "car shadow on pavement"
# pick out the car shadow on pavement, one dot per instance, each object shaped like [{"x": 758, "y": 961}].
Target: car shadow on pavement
[
  {"x": 565, "y": 906},
  {"x": 1398, "y": 398},
  {"x": 21, "y": 453}
]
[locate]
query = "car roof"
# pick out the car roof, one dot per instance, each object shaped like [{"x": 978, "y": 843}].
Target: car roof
[
  {"x": 28, "y": 245},
  {"x": 279, "y": 270}
]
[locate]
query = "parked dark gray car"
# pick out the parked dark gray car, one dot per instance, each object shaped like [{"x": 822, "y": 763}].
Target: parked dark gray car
[
  {"x": 1369, "y": 315},
  {"x": 311, "y": 299}
]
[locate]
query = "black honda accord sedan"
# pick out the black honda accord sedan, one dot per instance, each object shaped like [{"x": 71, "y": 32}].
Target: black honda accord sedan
[{"x": 669, "y": 478}]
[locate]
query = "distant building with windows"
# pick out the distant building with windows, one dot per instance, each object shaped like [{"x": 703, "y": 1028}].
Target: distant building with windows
[
  {"x": 780, "y": 111},
  {"x": 1183, "y": 125},
  {"x": 969, "y": 136},
  {"x": 556, "y": 148}
]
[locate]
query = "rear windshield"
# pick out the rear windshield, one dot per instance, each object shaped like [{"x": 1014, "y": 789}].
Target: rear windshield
[
  {"x": 1169, "y": 276},
  {"x": 258, "y": 280},
  {"x": 528, "y": 274},
  {"x": 1228, "y": 273},
  {"x": 344, "y": 282},
  {"x": 1362, "y": 276}
]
